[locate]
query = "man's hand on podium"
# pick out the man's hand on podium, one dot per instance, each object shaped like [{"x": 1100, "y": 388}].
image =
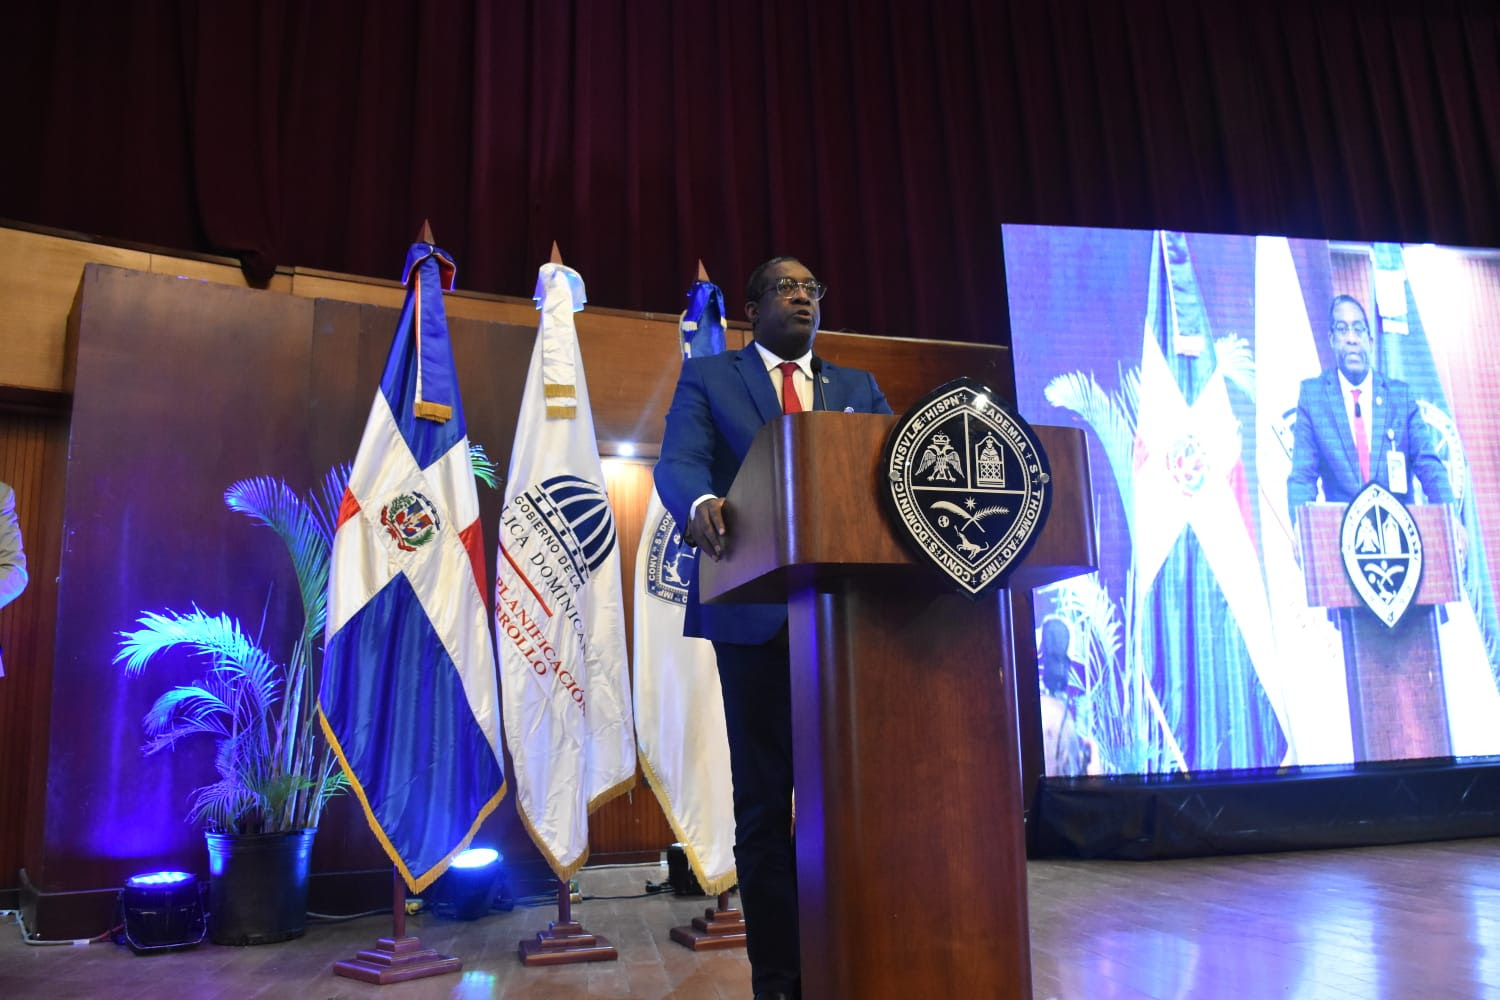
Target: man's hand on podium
[{"x": 708, "y": 528}]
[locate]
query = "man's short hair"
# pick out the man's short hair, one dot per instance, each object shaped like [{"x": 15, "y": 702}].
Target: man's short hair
[
  {"x": 1339, "y": 300},
  {"x": 755, "y": 285}
]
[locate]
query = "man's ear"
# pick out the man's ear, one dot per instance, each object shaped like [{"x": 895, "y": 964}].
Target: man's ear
[{"x": 751, "y": 310}]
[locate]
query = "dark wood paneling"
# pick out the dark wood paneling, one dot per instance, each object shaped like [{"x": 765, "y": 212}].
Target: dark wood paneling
[
  {"x": 183, "y": 387},
  {"x": 33, "y": 450},
  {"x": 632, "y": 825}
]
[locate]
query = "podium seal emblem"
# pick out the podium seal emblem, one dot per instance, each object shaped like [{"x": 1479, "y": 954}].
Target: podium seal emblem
[
  {"x": 1382, "y": 552},
  {"x": 967, "y": 484}
]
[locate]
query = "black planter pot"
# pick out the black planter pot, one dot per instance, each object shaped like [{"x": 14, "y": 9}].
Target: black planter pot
[{"x": 257, "y": 886}]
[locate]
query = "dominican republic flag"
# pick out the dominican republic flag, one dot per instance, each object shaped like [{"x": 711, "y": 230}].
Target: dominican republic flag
[
  {"x": 408, "y": 698},
  {"x": 1194, "y": 556},
  {"x": 679, "y": 707},
  {"x": 559, "y": 608}
]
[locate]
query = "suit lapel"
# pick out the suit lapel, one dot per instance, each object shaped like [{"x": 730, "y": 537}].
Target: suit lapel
[
  {"x": 826, "y": 395},
  {"x": 1381, "y": 411},
  {"x": 758, "y": 383},
  {"x": 1333, "y": 398}
]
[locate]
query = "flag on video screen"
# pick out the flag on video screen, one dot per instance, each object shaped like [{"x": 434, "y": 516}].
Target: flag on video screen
[
  {"x": 408, "y": 700},
  {"x": 1309, "y": 653},
  {"x": 1200, "y": 595}
]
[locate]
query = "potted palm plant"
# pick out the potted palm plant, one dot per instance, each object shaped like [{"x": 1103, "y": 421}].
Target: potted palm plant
[{"x": 275, "y": 772}]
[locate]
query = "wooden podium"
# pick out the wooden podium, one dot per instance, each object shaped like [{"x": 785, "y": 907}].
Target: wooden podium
[
  {"x": 1397, "y": 706},
  {"x": 910, "y": 847}
]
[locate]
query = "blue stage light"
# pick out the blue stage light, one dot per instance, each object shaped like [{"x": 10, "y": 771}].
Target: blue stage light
[
  {"x": 159, "y": 911},
  {"x": 158, "y": 878},
  {"x": 476, "y": 857},
  {"x": 467, "y": 890}
]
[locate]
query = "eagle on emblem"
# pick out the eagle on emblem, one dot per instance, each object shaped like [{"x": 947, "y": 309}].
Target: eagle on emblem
[{"x": 941, "y": 457}]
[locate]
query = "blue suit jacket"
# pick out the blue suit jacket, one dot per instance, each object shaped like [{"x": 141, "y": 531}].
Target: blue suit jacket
[
  {"x": 1323, "y": 444},
  {"x": 720, "y": 404}
]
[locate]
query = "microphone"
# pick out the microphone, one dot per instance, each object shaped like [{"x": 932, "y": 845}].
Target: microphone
[{"x": 817, "y": 375}]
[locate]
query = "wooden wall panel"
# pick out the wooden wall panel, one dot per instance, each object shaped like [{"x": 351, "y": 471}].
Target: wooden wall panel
[
  {"x": 33, "y": 449},
  {"x": 633, "y": 825}
]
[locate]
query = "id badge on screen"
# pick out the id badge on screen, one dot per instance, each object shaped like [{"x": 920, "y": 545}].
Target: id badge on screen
[{"x": 1395, "y": 464}]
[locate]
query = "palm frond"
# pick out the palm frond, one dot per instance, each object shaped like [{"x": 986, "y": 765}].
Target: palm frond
[
  {"x": 1112, "y": 419},
  {"x": 1237, "y": 361},
  {"x": 275, "y": 772},
  {"x": 272, "y": 503},
  {"x": 186, "y": 710},
  {"x": 327, "y": 500},
  {"x": 485, "y": 469},
  {"x": 217, "y": 637}
]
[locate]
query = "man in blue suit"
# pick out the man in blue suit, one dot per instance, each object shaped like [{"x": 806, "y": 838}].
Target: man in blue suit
[
  {"x": 720, "y": 403},
  {"x": 1355, "y": 426}
]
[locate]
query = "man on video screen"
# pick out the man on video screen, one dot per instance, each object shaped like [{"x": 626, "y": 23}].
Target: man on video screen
[{"x": 1355, "y": 426}]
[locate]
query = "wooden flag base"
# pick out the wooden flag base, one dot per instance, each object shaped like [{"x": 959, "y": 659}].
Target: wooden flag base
[
  {"x": 396, "y": 960},
  {"x": 717, "y": 928},
  {"x": 565, "y": 941}
]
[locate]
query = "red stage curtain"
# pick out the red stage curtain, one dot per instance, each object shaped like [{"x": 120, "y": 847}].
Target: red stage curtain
[{"x": 883, "y": 141}]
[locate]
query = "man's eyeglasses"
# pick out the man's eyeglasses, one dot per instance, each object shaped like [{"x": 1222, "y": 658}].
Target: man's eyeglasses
[
  {"x": 1358, "y": 326},
  {"x": 812, "y": 288}
]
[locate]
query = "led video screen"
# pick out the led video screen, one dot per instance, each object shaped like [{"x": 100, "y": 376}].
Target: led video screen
[{"x": 1189, "y": 361}]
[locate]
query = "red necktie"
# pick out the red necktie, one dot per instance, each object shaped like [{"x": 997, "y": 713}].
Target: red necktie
[
  {"x": 790, "y": 401},
  {"x": 1361, "y": 440}
]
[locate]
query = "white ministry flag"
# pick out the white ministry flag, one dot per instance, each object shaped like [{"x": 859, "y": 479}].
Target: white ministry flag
[
  {"x": 559, "y": 613},
  {"x": 1316, "y": 712},
  {"x": 679, "y": 706}
]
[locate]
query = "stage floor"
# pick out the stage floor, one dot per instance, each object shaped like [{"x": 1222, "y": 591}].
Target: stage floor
[{"x": 1382, "y": 923}]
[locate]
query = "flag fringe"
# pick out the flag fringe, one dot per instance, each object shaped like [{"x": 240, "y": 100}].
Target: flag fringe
[
  {"x": 564, "y": 412},
  {"x": 563, "y": 872},
  {"x": 611, "y": 793},
  {"x": 711, "y": 884},
  {"x": 415, "y": 883}
]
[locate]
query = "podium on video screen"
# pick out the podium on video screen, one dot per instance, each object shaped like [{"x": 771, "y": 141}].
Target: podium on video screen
[
  {"x": 910, "y": 843},
  {"x": 1397, "y": 706}
]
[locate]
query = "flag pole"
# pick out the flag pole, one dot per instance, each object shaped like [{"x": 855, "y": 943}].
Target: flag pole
[{"x": 721, "y": 926}]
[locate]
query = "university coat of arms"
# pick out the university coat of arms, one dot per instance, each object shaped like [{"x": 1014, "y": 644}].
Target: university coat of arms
[
  {"x": 967, "y": 484},
  {"x": 1382, "y": 552}
]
